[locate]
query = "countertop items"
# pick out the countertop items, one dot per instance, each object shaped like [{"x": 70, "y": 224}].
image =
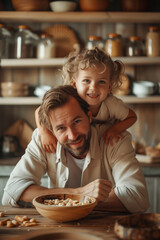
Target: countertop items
[
  {"x": 98, "y": 224},
  {"x": 64, "y": 207},
  {"x": 138, "y": 226}
]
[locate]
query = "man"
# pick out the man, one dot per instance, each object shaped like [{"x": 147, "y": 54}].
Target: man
[{"x": 82, "y": 164}]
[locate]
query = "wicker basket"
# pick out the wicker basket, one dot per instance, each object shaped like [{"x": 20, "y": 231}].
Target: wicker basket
[{"x": 30, "y": 5}]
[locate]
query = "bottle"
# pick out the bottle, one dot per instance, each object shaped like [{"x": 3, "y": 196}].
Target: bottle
[
  {"x": 153, "y": 42},
  {"x": 24, "y": 42},
  {"x": 95, "y": 41},
  {"x": 46, "y": 46},
  {"x": 134, "y": 47},
  {"x": 5, "y": 40},
  {"x": 114, "y": 45}
]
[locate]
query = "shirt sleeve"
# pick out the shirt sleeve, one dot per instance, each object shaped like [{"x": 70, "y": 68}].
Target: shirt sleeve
[
  {"x": 29, "y": 170},
  {"x": 130, "y": 186},
  {"x": 116, "y": 107}
]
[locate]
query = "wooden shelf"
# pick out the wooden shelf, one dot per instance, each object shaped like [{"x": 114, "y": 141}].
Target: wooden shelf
[
  {"x": 37, "y": 101},
  {"x": 55, "y": 62},
  {"x": 20, "y": 101},
  {"x": 30, "y": 62},
  {"x": 98, "y": 17}
]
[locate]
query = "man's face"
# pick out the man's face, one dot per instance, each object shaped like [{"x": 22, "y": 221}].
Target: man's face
[{"x": 71, "y": 127}]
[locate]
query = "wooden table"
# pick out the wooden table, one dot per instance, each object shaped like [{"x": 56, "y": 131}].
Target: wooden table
[{"x": 97, "y": 223}]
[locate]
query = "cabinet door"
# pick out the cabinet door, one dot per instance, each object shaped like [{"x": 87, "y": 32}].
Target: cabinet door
[{"x": 153, "y": 184}]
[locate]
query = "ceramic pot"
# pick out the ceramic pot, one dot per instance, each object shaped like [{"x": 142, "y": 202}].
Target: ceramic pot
[
  {"x": 94, "y": 5},
  {"x": 134, "y": 6}
]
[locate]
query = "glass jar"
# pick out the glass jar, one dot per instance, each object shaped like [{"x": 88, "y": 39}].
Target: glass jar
[
  {"x": 95, "y": 41},
  {"x": 114, "y": 45},
  {"x": 46, "y": 46},
  {"x": 5, "y": 40},
  {"x": 153, "y": 42},
  {"x": 134, "y": 47},
  {"x": 24, "y": 42}
]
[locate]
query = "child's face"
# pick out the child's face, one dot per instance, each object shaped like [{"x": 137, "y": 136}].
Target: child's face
[{"x": 93, "y": 84}]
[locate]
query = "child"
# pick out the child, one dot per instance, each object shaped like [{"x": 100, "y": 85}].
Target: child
[{"x": 95, "y": 75}]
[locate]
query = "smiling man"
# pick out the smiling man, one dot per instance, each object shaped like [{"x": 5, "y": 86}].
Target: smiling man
[{"x": 82, "y": 164}]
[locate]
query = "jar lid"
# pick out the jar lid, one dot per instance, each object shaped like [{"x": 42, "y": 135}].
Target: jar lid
[
  {"x": 45, "y": 35},
  {"x": 153, "y": 28},
  {"x": 93, "y": 38},
  {"x": 2, "y": 25},
  {"x": 23, "y": 27},
  {"x": 134, "y": 38},
  {"x": 114, "y": 35}
]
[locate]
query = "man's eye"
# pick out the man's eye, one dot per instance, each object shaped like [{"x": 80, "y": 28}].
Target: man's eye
[
  {"x": 60, "y": 129},
  {"x": 77, "y": 121}
]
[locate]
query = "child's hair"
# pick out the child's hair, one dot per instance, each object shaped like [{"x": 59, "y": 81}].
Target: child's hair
[{"x": 92, "y": 58}]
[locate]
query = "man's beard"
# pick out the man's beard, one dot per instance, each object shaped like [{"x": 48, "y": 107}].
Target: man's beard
[{"x": 81, "y": 150}]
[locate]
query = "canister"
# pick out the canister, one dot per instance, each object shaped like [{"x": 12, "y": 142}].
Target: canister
[
  {"x": 46, "y": 47},
  {"x": 153, "y": 42},
  {"x": 134, "y": 47},
  {"x": 95, "y": 41},
  {"x": 5, "y": 41},
  {"x": 114, "y": 45}
]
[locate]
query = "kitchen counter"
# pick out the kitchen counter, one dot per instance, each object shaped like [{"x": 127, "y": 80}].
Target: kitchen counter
[
  {"x": 97, "y": 223},
  {"x": 151, "y": 172}
]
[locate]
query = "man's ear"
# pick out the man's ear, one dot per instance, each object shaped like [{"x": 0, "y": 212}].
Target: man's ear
[
  {"x": 90, "y": 116},
  {"x": 73, "y": 82}
]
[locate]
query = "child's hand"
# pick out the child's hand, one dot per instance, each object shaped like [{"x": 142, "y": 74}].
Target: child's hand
[
  {"x": 49, "y": 142},
  {"x": 110, "y": 135}
]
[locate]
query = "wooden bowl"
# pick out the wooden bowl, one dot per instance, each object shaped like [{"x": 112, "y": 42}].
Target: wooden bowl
[
  {"x": 30, "y": 5},
  {"x": 134, "y": 6},
  {"x": 14, "y": 86},
  {"x": 94, "y": 5},
  {"x": 14, "y": 89},
  {"x": 64, "y": 213},
  {"x": 144, "y": 226}
]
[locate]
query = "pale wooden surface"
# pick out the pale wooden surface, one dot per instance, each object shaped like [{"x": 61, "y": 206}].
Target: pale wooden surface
[
  {"x": 135, "y": 17},
  {"x": 97, "y": 223}
]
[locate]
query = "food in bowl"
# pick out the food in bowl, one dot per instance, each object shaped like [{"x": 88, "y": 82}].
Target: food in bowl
[
  {"x": 81, "y": 206},
  {"x": 65, "y": 202}
]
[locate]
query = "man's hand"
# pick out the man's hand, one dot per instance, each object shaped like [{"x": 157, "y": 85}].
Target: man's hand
[{"x": 99, "y": 189}]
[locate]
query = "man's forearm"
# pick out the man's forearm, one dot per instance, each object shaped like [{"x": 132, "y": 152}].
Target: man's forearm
[
  {"x": 112, "y": 204},
  {"x": 34, "y": 190}
]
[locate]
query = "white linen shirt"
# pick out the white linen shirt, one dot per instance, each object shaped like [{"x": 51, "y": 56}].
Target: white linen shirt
[{"x": 117, "y": 164}]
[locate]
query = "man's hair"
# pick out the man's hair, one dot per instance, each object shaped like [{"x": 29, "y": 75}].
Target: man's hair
[{"x": 58, "y": 97}]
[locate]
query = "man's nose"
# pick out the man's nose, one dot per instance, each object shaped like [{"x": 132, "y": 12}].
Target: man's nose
[{"x": 72, "y": 134}]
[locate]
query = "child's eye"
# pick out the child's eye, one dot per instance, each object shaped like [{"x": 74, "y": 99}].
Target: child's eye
[{"x": 102, "y": 82}]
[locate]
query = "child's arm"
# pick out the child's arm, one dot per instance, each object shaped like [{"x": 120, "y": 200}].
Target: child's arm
[
  {"x": 48, "y": 140},
  {"x": 114, "y": 132}
]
